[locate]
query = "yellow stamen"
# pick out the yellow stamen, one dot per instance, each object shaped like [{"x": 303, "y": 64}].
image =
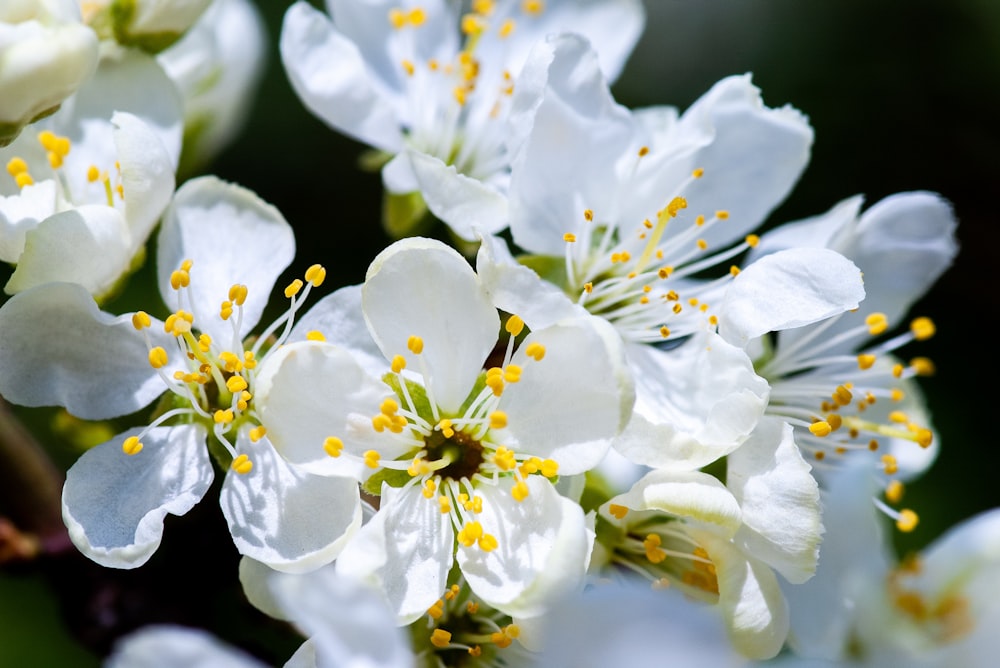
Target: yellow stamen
[
  {"x": 132, "y": 446},
  {"x": 242, "y": 465},
  {"x": 333, "y": 446}
]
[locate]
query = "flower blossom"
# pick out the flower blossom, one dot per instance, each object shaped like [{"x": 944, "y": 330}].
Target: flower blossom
[
  {"x": 82, "y": 190},
  {"x": 219, "y": 251},
  {"x": 461, "y": 433},
  {"x": 417, "y": 81},
  {"x": 150, "y": 25}
]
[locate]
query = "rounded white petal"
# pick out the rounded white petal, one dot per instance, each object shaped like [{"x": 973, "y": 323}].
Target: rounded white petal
[
  {"x": 752, "y": 604},
  {"x": 468, "y": 206},
  {"x": 309, "y": 391},
  {"x": 255, "y": 579},
  {"x": 232, "y": 237},
  {"x": 348, "y": 623},
  {"x": 543, "y": 549},
  {"x": 22, "y": 211},
  {"x": 90, "y": 246},
  {"x": 114, "y": 504},
  {"x": 406, "y": 550},
  {"x": 694, "y": 403},
  {"x": 331, "y": 78},
  {"x": 289, "y": 519},
  {"x": 41, "y": 366},
  {"x": 569, "y": 405},
  {"x": 691, "y": 495},
  {"x": 780, "y": 501},
  {"x": 176, "y": 647},
  {"x": 788, "y": 289},
  {"x": 421, "y": 287},
  {"x": 147, "y": 175}
]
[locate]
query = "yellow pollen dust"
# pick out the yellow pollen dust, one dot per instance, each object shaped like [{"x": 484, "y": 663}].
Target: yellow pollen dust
[
  {"x": 132, "y": 446},
  {"x": 242, "y": 465}
]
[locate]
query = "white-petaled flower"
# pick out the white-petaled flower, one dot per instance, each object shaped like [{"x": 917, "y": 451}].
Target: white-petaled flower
[
  {"x": 151, "y": 25},
  {"x": 167, "y": 646},
  {"x": 416, "y": 80},
  {"x": 623, "y": 214},
  {"x": 219, "y": 244},
  {"x": 838, "y": 381},
  {"x": 217, "y": 67},
  {"x": 935, "y": 608},
  {"x": 83, "y": 189},
  {"x": 46, "y": 54},
  {"x": 462, "y": 437},
  {"x": 722, "y": 543}
]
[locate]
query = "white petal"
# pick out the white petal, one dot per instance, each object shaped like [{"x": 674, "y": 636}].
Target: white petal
[
  {"x": 780, "y": 501},
  {"x": 566, "y": 136},
  {"x": 291, "y": 520},
  {"x": 23, "y": 211},
  {"x": 694, "y": 403},
  {"x": 91, "y": 246},
  {"x": 543, "y": 549},
  {"x": 467, "y": 205},
  {"x": 331, "y": 78},
  {"x": 41, "y": 366},
  {"x": 114, "y": 504},
  {"x": 406, "y": 550},
  {"x": 422, "y": 287},
  {"x": 176, "y": 647},
  {"x": 231, "y": 236},
  {"x": 788, "y": 289},
  {"x": 255, "y": 579},
  {"x": 751, "y": 601},
  {"x": 147, "y": 175},
  {"x": 966, "y": 560},
  {"x": 572, "y": 403},
  {"x": 691, "y": 495},
  {"x": 309, "y": 391}
]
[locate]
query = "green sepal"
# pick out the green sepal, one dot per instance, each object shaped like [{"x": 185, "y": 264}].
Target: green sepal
[
  {"x": 405, "y": 215},
  {"x": 596, "y": 492},
  {"x": 122, "y": 12},
  {"x": 421, "y": 405},
  {"x": 393, "y": 477},
  {"x": 373, "y": 160},
  {"x": 550, "y": 268}
]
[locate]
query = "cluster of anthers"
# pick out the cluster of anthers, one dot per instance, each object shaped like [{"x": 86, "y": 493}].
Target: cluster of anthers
[
  {"x": 835, "y": 423},
  {"x": 632, "y": 280},
  {"x": 57, "y": 147},
  {"x": 944, "y": 618},
  {"x": 658, "y": 549},
  {"x": 449, "y": 455},
  {"x": 217, "y": 386},
  {"x": 461, "y": 624}
]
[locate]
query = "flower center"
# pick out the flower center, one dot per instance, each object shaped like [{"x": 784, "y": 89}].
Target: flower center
[{"x": 465, "y": 454}]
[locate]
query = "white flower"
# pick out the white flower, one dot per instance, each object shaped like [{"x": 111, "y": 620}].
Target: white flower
[
  {"x": 176, "y": 647},
  {"x": 837, "y": 381},
  {"x": 937, "y": 608},
  {"x": 151, "y": 25},
  {"x": 45, "y": 56},
  {"x": 83, "y": 189},
  {"x": 219, "y": 244},
  {"x": 415, "y": 80},
  {"x": 463, "y": 457},
  {"x": 609, "y": 205},
  {"x": 217, "y": 67}
]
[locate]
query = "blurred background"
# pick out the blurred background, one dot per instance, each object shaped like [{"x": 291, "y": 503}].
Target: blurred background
[{"x": 902, "y": 96}]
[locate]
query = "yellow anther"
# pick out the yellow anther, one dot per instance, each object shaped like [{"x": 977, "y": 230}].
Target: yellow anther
[
  {"x": 381, "y": 422},
  {"x": 677, "y": 308},
  {"x": 93, "y": 174},
  {"x": 242, "y": 465},
  {"x": 512, "y": 373},
  {"x": 440, "y": 638},
  {"x": 316, "y": 274},
  {"x": 588, "y": 215},
  {"x": 436, "y": 610},
  {"x": 236, "y": 384},
  {"x": 654, "y": 553},
  {"x": 445, "y": 427},
  {"x": 47, "y": 139},
  {"x": 734, "y": 270},
  {"x": 416, "y": 17},
  {"x": 532, "y": 6},
  {"x": 16, "y": 166},
  {"x": 702, "y": 244},
  {"x": 488, "y": 543},
  {"x": 907, "y": 520},
  {"x": 415, "y": 344},
  {"x": 665, "y": 332},
  {"x": 894, "y": 491},
  {"x": 132, "y": 446},
  {"x": 550, "y": 468},
  {"x": 569, "y": 237},
  {"x": 158, "y": 358},
  {"x": 897, "y": 370},
  {"x": 898, "y": 417},
  {"x": 470, "y": 533},
  {"x": 397, "y": 18},
  {"x": 408, "y": 67},
  {"x": 179, "y": 279},
  {"x": 865, "y": 361},
  {"x": 389, "y": 406},
  {"x": 333, "y": 446},
  {"x": 472, "y": 607},
  {"x": 724, "y": 215},
  {"x": 506, "y": 28},
  {"x": 514, "y": 325},
  {"x": 752, "y": 240},
  {"x": 889, "y": 464},
  {"x": 24, "y": 179},
  {"x": 535, "y": 350},
  {"x": 230, "y": 362},
  {"x": 922, "y": 328},
  {"x": 896, "y": 394},
  {"x": 675, "y": 205},
  {"x": 430, "y": 487},
  {"x": 877, "y": 323},
  {"x": 520, "y": 491},
  {"x": 617, "y": 511},
  {"x": 238, "y": 294},
  {"x": 444, "y": 505},
  {"x": 819, "y": 455},
  {"x": 398, "y": 363},
  {"x": 842, "y": 396},
  {"x": 257, "y": 433},
  {"x": 141, "y": 320},
  {"x": 226, "y": 310},
  {"x": 315, "y": 335},
  {"x": 821, "y": 428},
  {"x": 504, "y": 459},
  {"x": 223, "y": 416},
  {"x": 924, "y": 437},
  {"x": 293, "y": 288},
  {"x": 498, "y": 420},
  {"x": 55, "y": 160},
  {"x": 698, "y": 173},
  {"x": 922, "y": 366},
  {"x": 372, "y": 458},
  {"x": 835, "y": 421}
]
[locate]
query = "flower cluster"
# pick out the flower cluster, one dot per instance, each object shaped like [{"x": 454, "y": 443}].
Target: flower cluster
[{"x": 614, "y": 374}]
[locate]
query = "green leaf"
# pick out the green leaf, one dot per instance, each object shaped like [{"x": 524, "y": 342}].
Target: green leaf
[{"x": 395, "y": 478}]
